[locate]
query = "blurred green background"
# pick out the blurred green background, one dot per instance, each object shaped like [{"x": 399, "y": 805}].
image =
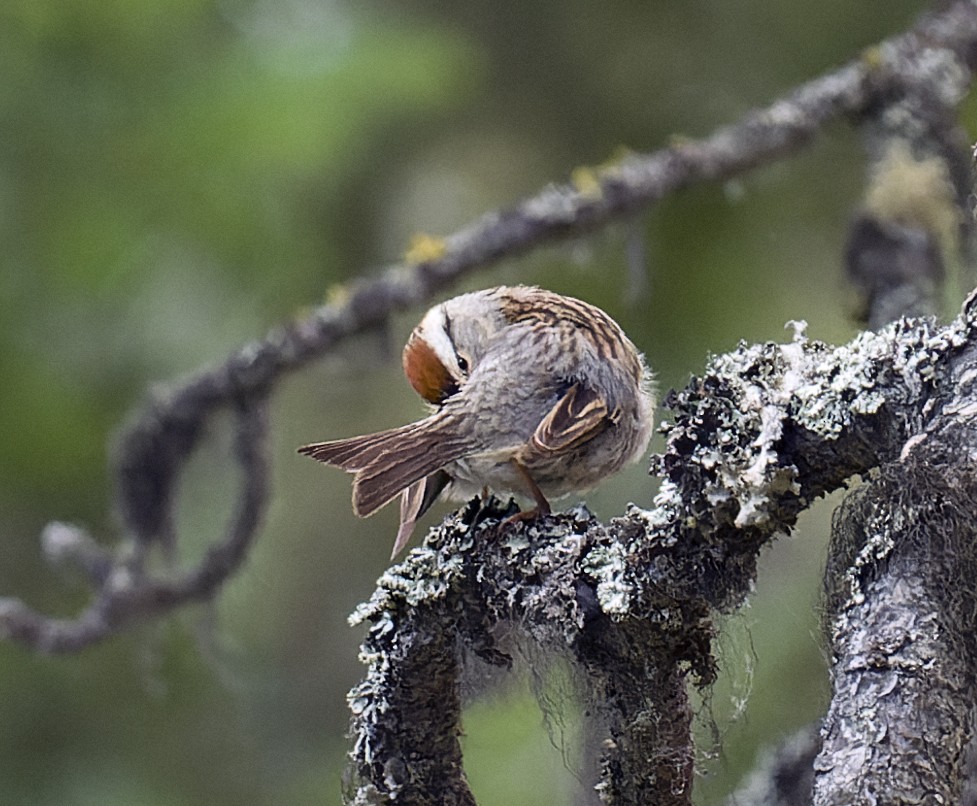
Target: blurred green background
[{"x": 177, "y": 176}]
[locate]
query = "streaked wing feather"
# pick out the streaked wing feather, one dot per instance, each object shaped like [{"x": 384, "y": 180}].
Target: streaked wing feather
[{"x": 580, "y": 415}]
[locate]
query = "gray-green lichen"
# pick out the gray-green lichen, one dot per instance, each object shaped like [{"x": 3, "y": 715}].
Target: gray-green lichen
[{"x": 606, "y": 565}]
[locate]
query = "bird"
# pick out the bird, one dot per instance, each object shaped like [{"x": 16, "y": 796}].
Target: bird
[{"x": 530, "y": 393}]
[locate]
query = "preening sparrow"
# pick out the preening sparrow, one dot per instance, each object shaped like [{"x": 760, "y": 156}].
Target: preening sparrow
[{"x": 532, "y": 393}]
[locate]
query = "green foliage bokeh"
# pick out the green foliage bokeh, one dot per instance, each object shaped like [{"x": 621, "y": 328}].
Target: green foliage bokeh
[{"x": 176, "y": 176}]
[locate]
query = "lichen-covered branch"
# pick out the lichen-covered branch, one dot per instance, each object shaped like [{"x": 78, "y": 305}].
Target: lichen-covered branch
[
  {"x": 763, "y": 432},
  {"x": 903, "y": 619},
  {"x": 472, "y": 579}
]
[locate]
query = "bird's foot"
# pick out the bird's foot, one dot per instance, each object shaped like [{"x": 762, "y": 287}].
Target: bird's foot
[
  {"x": 481, "y": 509},
  {"x": 528, "y": 515}
]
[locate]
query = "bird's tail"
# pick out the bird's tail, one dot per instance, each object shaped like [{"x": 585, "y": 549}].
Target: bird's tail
[{"x": 389, "y": 462}]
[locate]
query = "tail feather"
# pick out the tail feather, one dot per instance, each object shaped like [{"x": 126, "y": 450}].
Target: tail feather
[
  {"x": 414, "y": 502},
  {"x": 388, "y": 475},
  {"x": 389, "y": 462},
  {"x": 355, "y": 453}
]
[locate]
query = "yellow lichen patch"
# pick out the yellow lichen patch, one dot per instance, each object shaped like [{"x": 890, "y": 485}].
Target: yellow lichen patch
[
  {"x": 619, "y": 155},
  {"x": 586, "y": 181},
  {"x": 917, "y": 192},
  {"x": 424, "y": 248},
  {"x": 872, "y": 57},
  {"x": 337, "y": 295},
  {"x": 612, "y": 165}
]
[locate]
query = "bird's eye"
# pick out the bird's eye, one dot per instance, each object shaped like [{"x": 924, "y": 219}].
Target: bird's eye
[{"x": 463, "y": 364}]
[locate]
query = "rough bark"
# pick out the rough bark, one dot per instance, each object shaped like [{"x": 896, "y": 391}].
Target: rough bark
[{"x": 903, "y": 612}]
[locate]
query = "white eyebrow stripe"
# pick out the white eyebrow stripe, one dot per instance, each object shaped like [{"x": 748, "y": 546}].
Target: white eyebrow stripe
[{"x": 432, "y": 328}]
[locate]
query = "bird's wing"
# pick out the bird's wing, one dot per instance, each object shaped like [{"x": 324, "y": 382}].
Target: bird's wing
[{"x": 580, "y": 415}]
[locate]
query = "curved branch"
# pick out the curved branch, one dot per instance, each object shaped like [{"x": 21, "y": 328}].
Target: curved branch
[{"x": 128, "y": 594}]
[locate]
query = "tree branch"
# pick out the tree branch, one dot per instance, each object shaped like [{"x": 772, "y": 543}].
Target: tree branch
[
  {"x": 903, "y": 620},
  {"x": 126, "y": 593}
]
